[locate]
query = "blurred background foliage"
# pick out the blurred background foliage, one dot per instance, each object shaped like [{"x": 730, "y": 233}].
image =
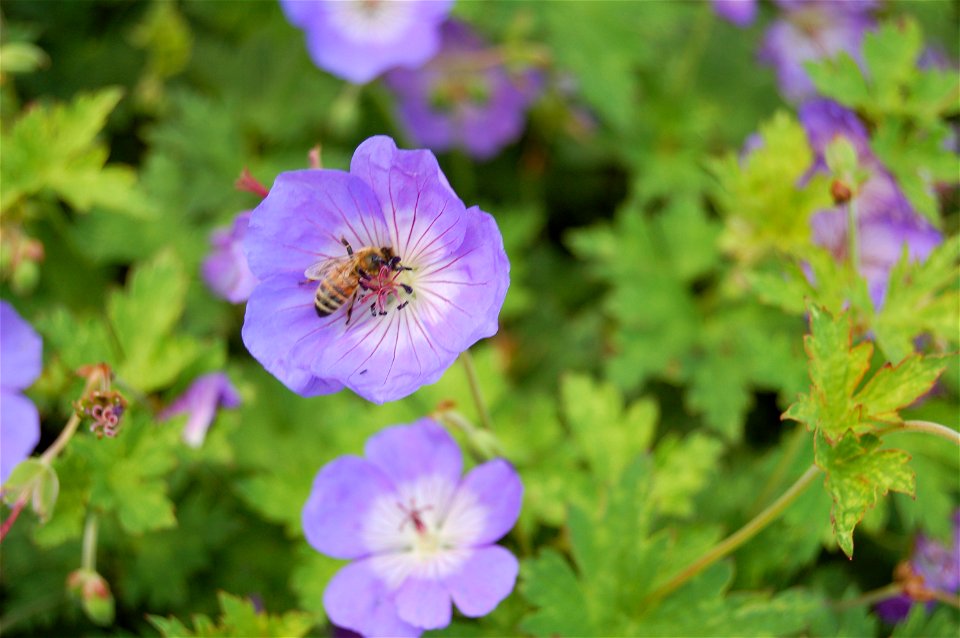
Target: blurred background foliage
[{"x": 637, "y": 381}]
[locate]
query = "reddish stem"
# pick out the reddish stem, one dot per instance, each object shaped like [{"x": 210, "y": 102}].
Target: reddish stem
[
  {"x": 247, "y": 182},
  {"x": 7, "y": 524}
]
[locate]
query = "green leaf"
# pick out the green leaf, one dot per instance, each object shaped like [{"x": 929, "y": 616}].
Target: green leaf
[
  {"x": 758, "y": 194},
  {"x": 922, "y": 298},
  {"x": 239, "y": 618},
  {"x": 683, "y": 469},
  {"x": 609, "y": 436},
  {"x": 144, "y": 317},
  {"x": 551, "y": 585},
  {"x": 54, "y": 148},
  {"x": 834, "y": 406},
  {"x": 858, "y": 473}
]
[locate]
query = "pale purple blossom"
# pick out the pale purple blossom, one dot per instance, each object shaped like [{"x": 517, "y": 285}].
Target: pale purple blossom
[
  {"x": 939, "y": 567},
  {"x": 886, "y": 222},
  {"x": 742, "y": 13},
  {"x": 422, "y": 537},
  {"x": 396, "y": 328},
  {"x": 464, "y": 97},
  {"x": 200, "y": 402},
  {"x": 809, "y": 30},
  {"x": 360, "y": 39},
  {"x": 225, "y": 269},
  {"x": 21, "y": 360}
]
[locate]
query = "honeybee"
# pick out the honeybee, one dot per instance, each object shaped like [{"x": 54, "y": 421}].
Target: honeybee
[{"x": 342, "y": 278}]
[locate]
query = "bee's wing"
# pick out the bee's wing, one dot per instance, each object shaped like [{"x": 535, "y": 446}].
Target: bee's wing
[{"x": 319, "y": 270}]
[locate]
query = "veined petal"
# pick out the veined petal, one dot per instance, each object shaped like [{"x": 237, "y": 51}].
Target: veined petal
[
  {"x": 406, "y": 453},
  {"x": 495, "y": 490},
  {"x": 282, "y": 331},
  {"x": 483, "y": 580},
  {"x": 19, "y": 431},
  {"x": 424, "y": 603},
  {"x": 422, "y": 211},
  {"x": 357, "y": 599},
  {"x": 337, "y": 510},
  {"x": 304, "y": 217}
]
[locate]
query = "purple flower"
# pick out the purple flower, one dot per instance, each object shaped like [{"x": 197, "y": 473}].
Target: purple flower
[
  {"x": 21, "y": 359},
  {"x": 933, "y": 567},
  {"x": 431, "y": 284},
  {"x": 739, "y": 12},
  {"x": 200, "y": 402},
  {"x": 813, "y": 30},
  {"x": 359, "y": 39},
  {"x": 885, "y": 220},
  {"x": 225, "y": 269},
  {"x": 420, "y": 536},
  {"x": 462, "y": 98}
]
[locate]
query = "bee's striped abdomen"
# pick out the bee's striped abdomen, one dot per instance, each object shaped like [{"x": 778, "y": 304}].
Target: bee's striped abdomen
[{"x": 329, "y": 298}]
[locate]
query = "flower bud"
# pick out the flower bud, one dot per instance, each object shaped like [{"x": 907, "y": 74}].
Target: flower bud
[
  {"x": 93, "y": 592},
  {"x": 840, "y": 192}
]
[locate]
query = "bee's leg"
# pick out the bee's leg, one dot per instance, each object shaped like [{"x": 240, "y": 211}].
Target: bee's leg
[
  {"x": 343, "y": 240},
  {"x": 394, "y": 264},
  {"x": 350, "y": 307}
]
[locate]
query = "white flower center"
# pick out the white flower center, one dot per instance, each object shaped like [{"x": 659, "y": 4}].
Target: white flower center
[
  {"x": 425, "y": 529},
  {"x": 371, "y": 21}
]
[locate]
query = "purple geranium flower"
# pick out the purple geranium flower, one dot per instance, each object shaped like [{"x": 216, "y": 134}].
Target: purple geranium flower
[
  {"x": 420, "y": 536},
  {"x": 21, "y": 359},
  {"x": 813, "y": 30},
  {"x": 225, "y": 269},
  {"x": 739, "y": 12},
  {"x": 200, "y": 402},
  {"x": 401, "y": 320},
  {"x": 461, "y": 98},
  {"x": 936, "y": 566},
  {"x": 885, "y": 220},
  {"x": 359, "y": 39}
]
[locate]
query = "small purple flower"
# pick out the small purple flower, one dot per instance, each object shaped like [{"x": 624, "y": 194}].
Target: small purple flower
[
  {"x": 397, "y": 327},
  {"x": 225, "y": 269},
  {"x": 462, "y": 98},
  {"x": 420, "y": 536},
  {"x": 742, "y": 13},
  {"x": 885, "y": 220},
  {"x": 813, "y": 30},
  {"x": 934, "y": 567},
  {"x": 21, "y": 360},
  {"x": 360, "y": 39},
  {"x": 200, "y": 402}
]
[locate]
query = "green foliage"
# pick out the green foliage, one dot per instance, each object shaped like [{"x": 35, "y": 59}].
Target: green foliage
[
  {"x": 54, "y": 148},
  {"x": 759, "y": 196},
  {"x": 858, "y": 473},
  {"x": 239, "y": 618},
  {"x": 834, "y": 405},
  {"x": 891, "y": 82}
]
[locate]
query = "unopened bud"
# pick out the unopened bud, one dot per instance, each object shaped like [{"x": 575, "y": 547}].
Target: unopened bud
[
  {"x": 93, "y": 592},
  {"x": 840, "y": 192}
]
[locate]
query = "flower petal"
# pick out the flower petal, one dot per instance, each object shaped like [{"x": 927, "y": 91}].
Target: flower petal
[
  {"x": 304, "y": 217},
  {"x": 336, "y": 511},
  {"x": 484, "y": 580},
  {"x": 19, "y": 431},
  {"x": 282, "y": 331},
  {"x": 465, "y": 288},
  {"x": 422, "y": 211},
  {"x": 356, "y": 599},
  {"x": 496, "y": 488},
  {"x": 424, "y": 603},
  {"x": 22, "y": 350},
  {"x": 405, "y": 453}
]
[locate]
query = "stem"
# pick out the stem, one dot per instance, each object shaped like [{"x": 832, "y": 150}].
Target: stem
[
  {"x": 945, "y": 598},
  {"x": 71, "y": 427},
  {"x": 88, "y": 558},
  {"x": 870, "y": 597},
  {"x": 786, "y": 460},
  {"x": 736, "y": 539},
  {"x": 17, "y": 508},
  {"x": 471, "y": 370},
  {"x": 852, "y": 244},
  {"x": 931, "y": 428}
]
